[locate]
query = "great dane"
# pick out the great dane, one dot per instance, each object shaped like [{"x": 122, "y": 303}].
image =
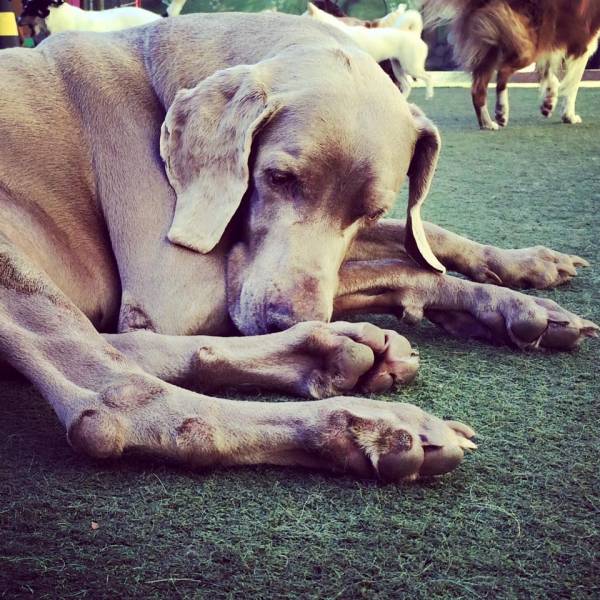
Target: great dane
[{"x": 212, "y": 175}]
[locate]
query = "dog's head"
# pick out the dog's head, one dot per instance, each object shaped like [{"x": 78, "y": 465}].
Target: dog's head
[
  {"x": 36, "y": 9},
  {"x": 315, "y": 159}
]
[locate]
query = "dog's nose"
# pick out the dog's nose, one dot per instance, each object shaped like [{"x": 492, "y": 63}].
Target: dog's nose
[{"x": 278, "y": 317}]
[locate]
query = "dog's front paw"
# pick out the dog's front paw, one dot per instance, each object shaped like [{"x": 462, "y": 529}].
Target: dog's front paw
[
  {"x": 390, "y": 441},
  {"x": 342, "y": 357},
  {"x": 396, "y": 362},
  {"x": 511, "y": 318},
  {"x": 538, "y": 267}
]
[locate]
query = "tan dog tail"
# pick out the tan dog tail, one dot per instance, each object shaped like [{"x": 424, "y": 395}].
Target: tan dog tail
[
  {"x": 477, "y": 29},
  {"x": 436, "y": 12}
]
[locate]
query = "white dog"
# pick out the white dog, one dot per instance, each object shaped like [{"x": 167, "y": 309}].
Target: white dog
[
  {"x": 383, "y": 43},
  {"x": 60, "y": 16},
  {"x": 406, "y": 20}
]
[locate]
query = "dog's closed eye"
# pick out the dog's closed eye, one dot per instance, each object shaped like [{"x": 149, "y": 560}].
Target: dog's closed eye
[
  {"x": 279, "y": 178},
  {"x": 375, "y": 215}
]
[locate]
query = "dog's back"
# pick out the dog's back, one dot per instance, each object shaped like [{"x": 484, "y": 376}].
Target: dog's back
[
  {"x": 47, "y": 188},
  {"x": 48, "y": 126},
  {"x": 520, "y": 30}
]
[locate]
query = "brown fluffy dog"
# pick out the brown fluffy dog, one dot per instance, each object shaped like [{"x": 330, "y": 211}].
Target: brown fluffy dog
[{"x": 507, "y": 35}]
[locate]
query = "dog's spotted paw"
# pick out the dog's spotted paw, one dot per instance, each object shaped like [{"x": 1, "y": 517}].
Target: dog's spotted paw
[
  {"x": 393, "y": 441},
  {"x": 502, "y": 116},
  {"x": 342, "y": 357},
  {"x": 547, "y": 106},
  {"x": 511, "y": 318},
  {"x": 536, "y": 267},
  {"x": 502, "y": 120}
]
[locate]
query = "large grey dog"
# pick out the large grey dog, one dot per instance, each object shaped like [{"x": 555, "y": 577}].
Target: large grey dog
[{"x": 219, "y": 173}]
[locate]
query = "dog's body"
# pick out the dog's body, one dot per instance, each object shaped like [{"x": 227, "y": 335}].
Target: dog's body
[
  {"x": 406, "y": 20},
  {"x": 401, "y": 18},
  {"x": 403, "y": 81},
  {"x": 99, "y": 240},
  {"x": 60, "y": 16},
  {"x": 405, "y": 48},
  {"x": 507, "y": 35}
]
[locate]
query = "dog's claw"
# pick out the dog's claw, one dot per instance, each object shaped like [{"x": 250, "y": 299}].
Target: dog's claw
[{"x": 578, "y": 261}]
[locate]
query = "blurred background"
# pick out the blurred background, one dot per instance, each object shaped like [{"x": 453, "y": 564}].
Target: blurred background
[{"x": 438, "y": 39}]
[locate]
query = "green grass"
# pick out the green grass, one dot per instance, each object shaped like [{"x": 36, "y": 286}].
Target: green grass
[{"x": 520, "y": 518}]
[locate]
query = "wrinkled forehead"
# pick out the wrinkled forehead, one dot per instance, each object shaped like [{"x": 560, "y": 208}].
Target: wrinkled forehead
[{"x": 350, "y": 121}]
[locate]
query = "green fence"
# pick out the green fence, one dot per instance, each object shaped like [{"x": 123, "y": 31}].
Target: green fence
[{"x": 364, "y": 9}]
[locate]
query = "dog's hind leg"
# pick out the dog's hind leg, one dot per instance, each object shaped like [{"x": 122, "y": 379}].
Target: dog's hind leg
[
  {"x": 461, "y": 307},
  {"x": 547, "y": 69},
  {"x": 414, "y": 65},
  {"x": 428, "y": 79},
  {"x": 481, "y": 79},
  {"x": 109, "y": 406},
  {"x": 569, "y": 86},
  {"x": 48, "y": 339},
  {"x": 502, "y": 104},
  {"x": 403, "y": 79}
]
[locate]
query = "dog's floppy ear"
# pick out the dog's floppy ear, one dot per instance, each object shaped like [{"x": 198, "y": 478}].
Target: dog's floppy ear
[
  {"x": 420, "y": 173},
  {"x": 205, "y": 142}
]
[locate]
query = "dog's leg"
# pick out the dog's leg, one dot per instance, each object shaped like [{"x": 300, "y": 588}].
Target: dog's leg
[
  {"x": 536, "y": 267},
  {"x": 502, "y": 105},
  {"x": 461, "y": 307},
  {"x": 415, "y": 67},
  {"x": 311, "y": 359},
  {"x": 428, "y": 79},
  {"x": 481, "y": 78},
  {"x": 570, "y": 85},
  {"x": 547, "y": 69},
  {"x": 109, "y": 406},
  {"x": 400, "y": 76}
]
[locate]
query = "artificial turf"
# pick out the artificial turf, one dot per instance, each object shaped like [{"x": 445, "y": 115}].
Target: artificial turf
[{"x": 520, "y": 518}]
